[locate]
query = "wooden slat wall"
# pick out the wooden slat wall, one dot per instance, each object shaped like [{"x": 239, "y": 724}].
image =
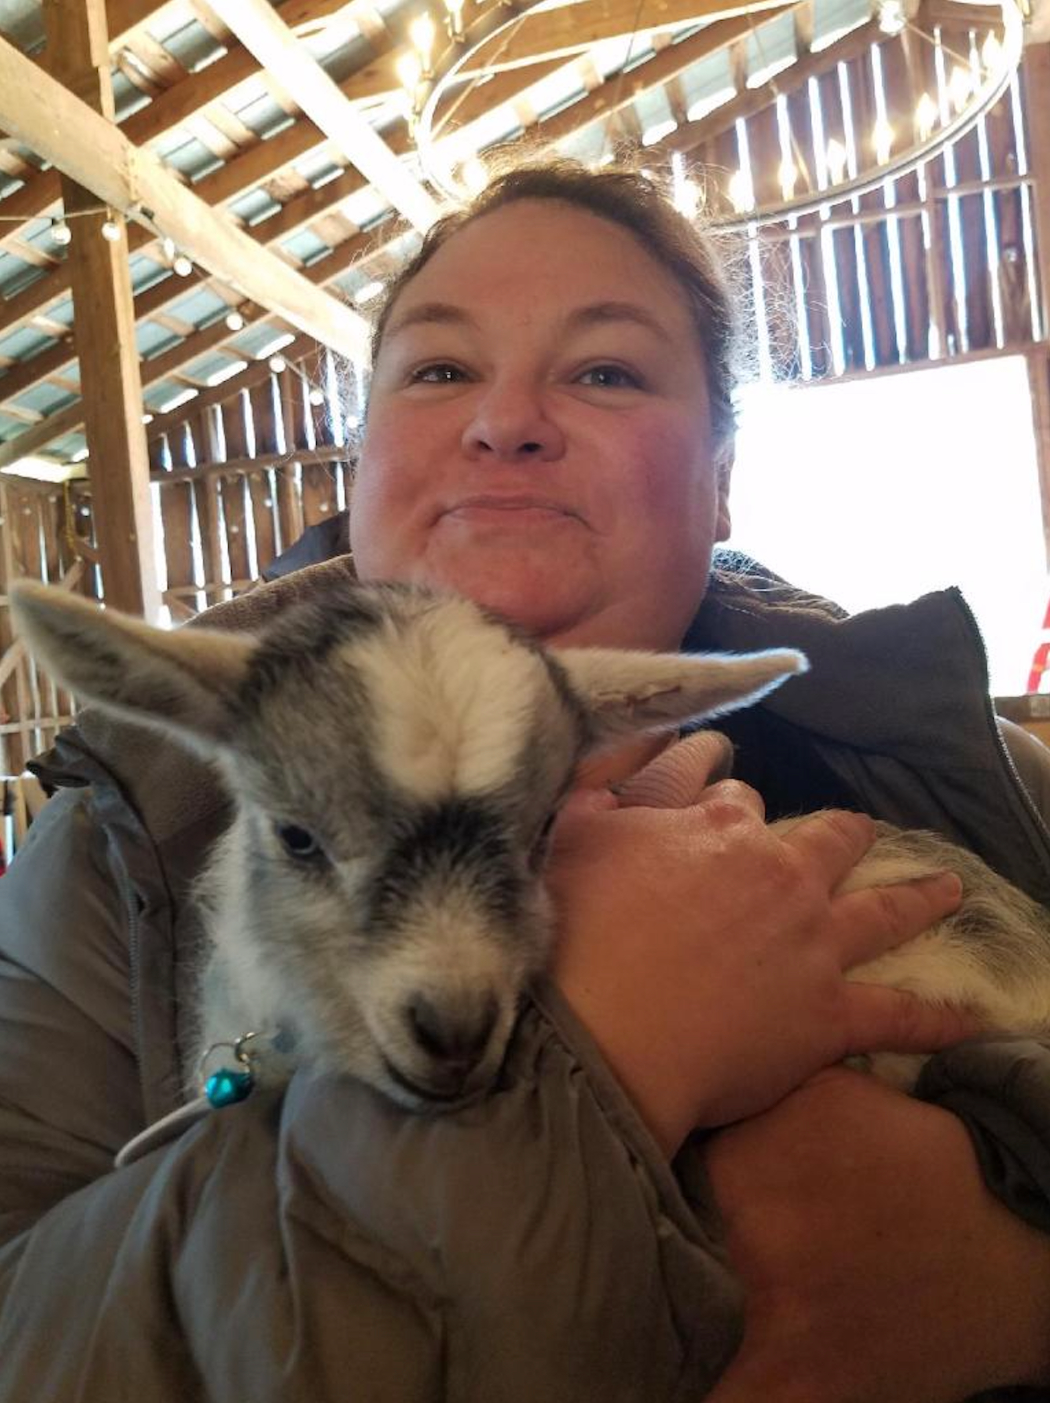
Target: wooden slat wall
[{"x": 944, "y": 299}]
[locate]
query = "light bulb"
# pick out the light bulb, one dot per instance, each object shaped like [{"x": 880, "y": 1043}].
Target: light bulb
[
  {"x": 960, "y": 85},
  {"x": 234, "y": 321},
  {"x": 836, "y": 161},
  {"x": 992, "y": 53},
  {"x": 409, "y": 72},
  {"x": 61, "y": 233},
  {"x": 182, "y": 266},
  {"x": 147, "y": 418},
  {"x": 741, "y": 196},
  {"x": 421, "y": 32},
  {"x": 455, "y": 16},
  {"x": 925, "y": 116},
  {"x": 167, "y": 248},
  {"x": 277, "y": 364},
  {"x": 316, "y": 397},
  {"x": 882, "y": 140},
  {"x": 110, "y": 231}
]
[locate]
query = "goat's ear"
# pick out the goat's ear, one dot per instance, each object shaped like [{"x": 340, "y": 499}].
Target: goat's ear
[
  {"x": 625, "y": 693},
  {"x": 183, "y": 682}
]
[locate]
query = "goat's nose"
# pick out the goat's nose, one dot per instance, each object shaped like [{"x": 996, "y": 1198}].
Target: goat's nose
[{"x": 455, "y": 1036}]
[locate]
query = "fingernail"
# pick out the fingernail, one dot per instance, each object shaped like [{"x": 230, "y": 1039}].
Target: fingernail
[{"x": 951, "y": 883}]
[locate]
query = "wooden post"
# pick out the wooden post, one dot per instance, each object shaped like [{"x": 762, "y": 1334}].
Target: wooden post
[
  {"x": 1037, "y": 101},
  {"x": 118, "y": 464}
]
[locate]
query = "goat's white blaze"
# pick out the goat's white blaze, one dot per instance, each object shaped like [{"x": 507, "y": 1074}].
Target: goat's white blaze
[{"x": 452, "y": 697}]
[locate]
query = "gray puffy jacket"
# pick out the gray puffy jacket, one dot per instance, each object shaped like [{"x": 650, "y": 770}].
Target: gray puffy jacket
[{"x": 321, "y": 1244}]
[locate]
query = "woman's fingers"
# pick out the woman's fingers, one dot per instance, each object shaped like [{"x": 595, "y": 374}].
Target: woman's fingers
[
  {"x": 892, "y": 1020},
  {"x": 876, "y": 919},
  {"x": 832, "y": 842},
  {"x": 679, "y": 775}
]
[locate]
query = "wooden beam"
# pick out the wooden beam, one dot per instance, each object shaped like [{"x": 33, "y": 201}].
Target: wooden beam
[
  {"x": 40, "y": 195},
  {"x": 82, "y": 144},
  {"x": 554, "y": 33},
  {"x": 112, "y": 392},
  {"x": 613, "y": 94},
  {"x": 261, "y": 29},
  {"x": 1036, "y": 75},
  {"x": 788, "y": 80}
]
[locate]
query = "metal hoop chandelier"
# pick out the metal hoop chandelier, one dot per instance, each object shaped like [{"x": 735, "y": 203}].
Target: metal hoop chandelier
[{"x": 466, "y": 43}]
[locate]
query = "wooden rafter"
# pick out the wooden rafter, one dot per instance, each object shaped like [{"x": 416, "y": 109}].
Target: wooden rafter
[
  {"x": 82, "y": 144},
  {"x": 261, "y": 29}
]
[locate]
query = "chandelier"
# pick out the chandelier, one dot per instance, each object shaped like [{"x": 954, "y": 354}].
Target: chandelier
[{"x": 960, "y": 96}]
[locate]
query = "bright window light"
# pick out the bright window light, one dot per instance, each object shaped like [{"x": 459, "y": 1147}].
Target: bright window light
[{"x": 877, "y": 490}]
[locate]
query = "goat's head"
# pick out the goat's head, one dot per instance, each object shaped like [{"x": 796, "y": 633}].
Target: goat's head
[{"x": 396, "y": 760}]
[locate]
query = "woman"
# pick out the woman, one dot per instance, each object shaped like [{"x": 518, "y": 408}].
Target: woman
[{"x": 550, "y": 433}]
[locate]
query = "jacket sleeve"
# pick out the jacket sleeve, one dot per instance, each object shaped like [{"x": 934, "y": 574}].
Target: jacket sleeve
[
  {"x": 1000, "y": 1089},
  {"x": 318, "y": 1244}
]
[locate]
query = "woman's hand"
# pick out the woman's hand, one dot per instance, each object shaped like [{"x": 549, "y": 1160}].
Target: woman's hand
[
  {"x": 877, "y": 1266},
  {"x": 706, "y": 953}
]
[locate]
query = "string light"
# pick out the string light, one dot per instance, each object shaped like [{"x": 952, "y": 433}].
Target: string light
[
  {"x": 836, "y": 161},
  {"x": 925, "y": 116},
  {"x": 316, "y": 397},
  {"x": 421, "y": 32},
  {"x": 234, "y": 321},
  {"x": 277, "y": 364},
  {"x": 740, "y": 193},
  {"x": 882, "y": 140},
  {"x": 788, "y": 177},
  {"x": 181, "y": 266},
  {"x": 61, "y": 233},
  {"x": 110, "y": 231}
]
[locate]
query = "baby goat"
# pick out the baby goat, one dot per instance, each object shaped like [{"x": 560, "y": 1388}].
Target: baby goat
[{"x": 396, "y": 761}]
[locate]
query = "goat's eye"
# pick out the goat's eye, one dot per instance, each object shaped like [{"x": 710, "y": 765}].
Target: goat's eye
[{"x": 298, "y": 843}]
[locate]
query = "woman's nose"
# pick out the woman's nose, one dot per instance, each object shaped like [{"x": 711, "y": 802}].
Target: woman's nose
[{"x": 512, "y": 424}]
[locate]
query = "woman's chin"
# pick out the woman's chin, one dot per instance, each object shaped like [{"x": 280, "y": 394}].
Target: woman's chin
[{"x": 541, "y": 601}]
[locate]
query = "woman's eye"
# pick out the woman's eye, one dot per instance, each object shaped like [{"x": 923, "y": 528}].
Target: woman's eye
[
  {"x": 298, "y": 843},
  {"x": 610, "y": 377},
  {"x": 440, "y": 374}
]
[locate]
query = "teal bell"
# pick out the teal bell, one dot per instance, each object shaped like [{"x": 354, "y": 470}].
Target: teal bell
[{"x": 226, "y": 1087}]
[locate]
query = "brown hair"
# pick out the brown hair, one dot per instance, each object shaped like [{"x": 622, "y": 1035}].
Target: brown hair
[{"x": 632, "y": 200}]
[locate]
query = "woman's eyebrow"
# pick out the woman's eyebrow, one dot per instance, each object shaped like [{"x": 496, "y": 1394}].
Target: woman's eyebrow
[
  {"x": 431, "y": 314},
  {"x": 600, "y": 313}
]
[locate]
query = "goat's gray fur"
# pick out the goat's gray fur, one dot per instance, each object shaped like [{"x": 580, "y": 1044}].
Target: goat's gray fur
[{"x": 424, "y": 747}]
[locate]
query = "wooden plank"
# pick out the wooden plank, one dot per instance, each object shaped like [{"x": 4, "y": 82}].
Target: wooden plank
[
  {"x": 89, "y": 149},
  {"x": 1036, "y": 89},
  {"x": 206, "y": 501},
  {"x": 289, "y": 499},
  {"x": 876, "y": 285},
  {"x": 900, "y": 100},
  {"x": 814, "y": 290},
  {"x": 1011, "y": 254},
  {"x": 262, "y": 484},
  {"x": 843, "y": 245},
  {"x": 101, "y": 286},
  {"x": 232, "y": 488},
  {"x": 11, "y": 756}
]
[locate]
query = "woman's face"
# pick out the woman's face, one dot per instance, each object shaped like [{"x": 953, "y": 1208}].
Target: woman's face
[{"x": 539, "y": 433}]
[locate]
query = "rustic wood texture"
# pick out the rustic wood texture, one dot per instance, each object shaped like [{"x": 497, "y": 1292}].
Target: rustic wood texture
[{"x": 101, "y": 288}]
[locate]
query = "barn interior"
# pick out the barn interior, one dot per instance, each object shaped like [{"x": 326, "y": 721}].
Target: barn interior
[{"x": 199, "y": 199}]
